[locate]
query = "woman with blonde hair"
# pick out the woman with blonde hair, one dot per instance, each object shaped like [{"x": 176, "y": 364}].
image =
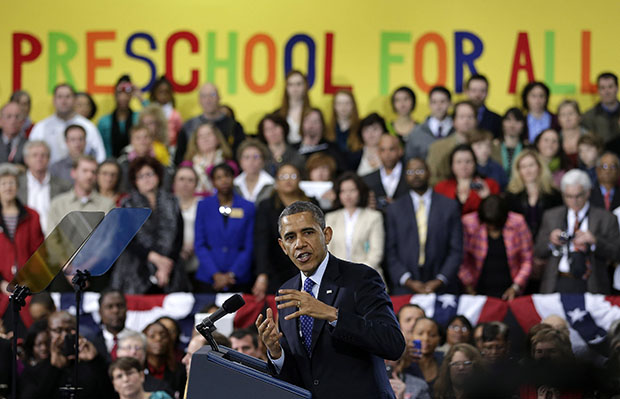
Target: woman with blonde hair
[
  {"x": 206, "y": 148},
  {"x": 295, "y": 103},
  {"x": 155, "y": 121},
  {"x": 530, "y": 191}
]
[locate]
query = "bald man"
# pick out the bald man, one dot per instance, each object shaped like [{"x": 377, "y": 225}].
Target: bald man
[
  {"x": 209, "y": 99},
  {"x": 389, "y": 182}
]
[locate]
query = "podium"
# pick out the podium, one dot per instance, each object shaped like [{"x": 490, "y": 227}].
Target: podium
[{"x": 230, "y": 374}]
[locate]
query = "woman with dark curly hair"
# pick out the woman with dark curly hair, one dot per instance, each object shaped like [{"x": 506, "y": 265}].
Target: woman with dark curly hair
[{"x": 150, "y": 263}]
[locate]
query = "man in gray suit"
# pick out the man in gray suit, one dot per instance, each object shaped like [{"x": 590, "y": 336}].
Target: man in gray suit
[
  {"x": 578, "y": 241},
  {"x": 37, "y": 187},
  {"x": 11, "y": 141}
]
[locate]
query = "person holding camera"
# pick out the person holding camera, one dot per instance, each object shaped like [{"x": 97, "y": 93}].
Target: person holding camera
[
  {"x": 46, "y": 378},
  {"x": 578, "y": 241},
  {"x": 466, "y": 185}
]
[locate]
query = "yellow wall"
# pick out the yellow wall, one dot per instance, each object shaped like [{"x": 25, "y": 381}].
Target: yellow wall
[{"x": 358, "y": 31}]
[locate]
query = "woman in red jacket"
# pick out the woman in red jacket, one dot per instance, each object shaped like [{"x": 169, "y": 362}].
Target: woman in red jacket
[
  {"x": 466, "y": 185},
  {"x": 20, "y": 231}
]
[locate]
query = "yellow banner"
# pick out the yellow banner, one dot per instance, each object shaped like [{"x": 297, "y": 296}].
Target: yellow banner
[{"x": 246, "y": 47}]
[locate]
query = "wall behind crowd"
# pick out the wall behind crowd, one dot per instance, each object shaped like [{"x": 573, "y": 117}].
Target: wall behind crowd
[{"x": 246, "y": 47}]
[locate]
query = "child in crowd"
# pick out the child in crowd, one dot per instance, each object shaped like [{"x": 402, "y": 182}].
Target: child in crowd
[
  {"x": 589, "y": 148},
  {"x": 481, "y": 143}
]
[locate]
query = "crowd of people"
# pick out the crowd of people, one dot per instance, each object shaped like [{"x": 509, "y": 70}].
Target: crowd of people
[{"x": 466, "y": 202}]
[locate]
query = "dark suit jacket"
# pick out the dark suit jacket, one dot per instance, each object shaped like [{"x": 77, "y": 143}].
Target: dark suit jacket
[
  {"x": 347, "y": 360},
  {"x": 373, "y": 180},
  {"x": 57, "y": 186},
  {"x": 99, "y": 342},
  {"x": 604, "y": 226},
  {"x": 5, "y": 150},
  {"x": 444, "y": 242},
  {"x": 597, "y": 199},
  {"x": 491, "y": 122}
]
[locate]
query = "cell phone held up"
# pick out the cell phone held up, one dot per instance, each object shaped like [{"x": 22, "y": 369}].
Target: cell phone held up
[
  {"x": 475, "y": 185},
  {"x": 68, "y": 345}
]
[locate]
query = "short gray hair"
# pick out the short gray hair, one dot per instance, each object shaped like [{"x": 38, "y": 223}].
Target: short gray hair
[
  {"x": 35, "y": 143},
  {"x": 576, "y": 177},
  {"x": 8, "y": 169},
  {"x": 303, "y": 206},
  {"x": 133, "y": 335}
]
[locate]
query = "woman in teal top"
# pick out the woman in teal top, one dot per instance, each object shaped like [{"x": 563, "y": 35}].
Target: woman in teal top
[
  {"x": 128, "y": 376},
  {"x": 114, "y": 127}
]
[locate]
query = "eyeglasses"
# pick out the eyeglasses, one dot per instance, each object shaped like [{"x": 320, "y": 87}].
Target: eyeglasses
[
  {"x": 286, "y": 176},
  {"x": 145, "y": 175},
  {"x": 576, "y": 196},
  {"x": 609, "y": 166},
  {"x": 250, "y": 157},
  {"x": 456, "y": 328},
  {"x": 60, "y": 330},
  {"x": 458, "y": 365},
  {"x": 416, "y": 172}
]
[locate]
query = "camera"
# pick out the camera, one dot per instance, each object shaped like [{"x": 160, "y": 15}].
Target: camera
[
  {"x": 565, "y": 237},
  {"x": 476, "y": 186},
  {"x": 68, "y": 345}
]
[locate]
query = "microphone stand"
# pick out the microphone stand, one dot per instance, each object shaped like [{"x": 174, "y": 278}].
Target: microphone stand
[
  {"x": 206, "y": 329},
  {"x": 18, "y": 299}
]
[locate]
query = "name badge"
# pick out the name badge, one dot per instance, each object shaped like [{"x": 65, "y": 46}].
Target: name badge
[{"x": 236, "y": 213}]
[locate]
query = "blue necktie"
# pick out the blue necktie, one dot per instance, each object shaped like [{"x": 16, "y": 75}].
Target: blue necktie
[{"x": 306, "y": 321}]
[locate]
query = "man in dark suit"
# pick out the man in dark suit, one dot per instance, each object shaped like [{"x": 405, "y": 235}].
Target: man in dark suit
[
  {"x": 606, "y": 194},
  {"x": 477, "y": 89},
  {"x": 424, "y": 237},
  {"x": 577, "y": 240},
  {"x": 11, "y": 142},
  {"x": 113, "y": 312},
  {"x": 336, "y": 319},
  {"x": 388, "y": 183}
]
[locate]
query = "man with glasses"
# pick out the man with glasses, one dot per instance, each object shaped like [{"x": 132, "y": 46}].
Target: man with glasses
[
  {"x": 577, "y": 240},
  {"x": 46, "y": 379},
  {"x": 424, "y": 237},
  {"x": 606, "y": 194}
]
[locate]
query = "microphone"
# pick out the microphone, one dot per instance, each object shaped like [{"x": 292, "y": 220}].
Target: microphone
[{"x": 231, "y": 305}]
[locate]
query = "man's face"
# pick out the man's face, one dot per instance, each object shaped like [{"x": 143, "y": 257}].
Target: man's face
[
  {"x": 407, "y": 318},
  {"x": 477, "y": 92},
  {"x": 209, "y": 98},
  {"x": 196, "y": 343},
  {"x": 607, "y": 171},
  {"x": 11, "y": 120},
  {"x": 575, "y": 197},
  {"x": 417, "y": 174},
  {"x": 59, "y": 328},
  {"x": 607, "y": 90},
  {"x": 495, "y": 350},
  {"x": 37, "y": 159},
  {"x": 76, "y": 142},
  {"x": 312, "y": 126},
  {"x": 439, "y": 104},
  {"x": 64, "y": 100},
  {"x": 244, "y": 345},
  {"x": 113, "y": 312},
  {"x": 390, "y": 151},
  {"x": 85, "y": 175},
  {"x": 464, "y": 119},
  {"x": 302, "y": 239}
]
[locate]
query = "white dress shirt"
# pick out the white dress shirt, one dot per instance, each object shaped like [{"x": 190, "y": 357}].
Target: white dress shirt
[
  {"x": 445, "y": 124},
  {"x": 564, "y": 265},
  {"x": 39, "y": 197},
  {"x": 349, "y": 229},
  {"x": 52, "y": 131},
  {"x": 264, "y": 179},
  {"x": 390, "y": 182}
]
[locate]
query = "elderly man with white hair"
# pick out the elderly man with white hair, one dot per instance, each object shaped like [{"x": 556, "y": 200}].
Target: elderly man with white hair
[{"x": 578, "y": 241}]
